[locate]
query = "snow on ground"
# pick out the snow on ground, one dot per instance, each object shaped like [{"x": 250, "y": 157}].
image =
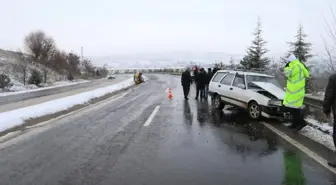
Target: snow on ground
[
  {"x": 318, "y": 136},
  {"x": 31, "y": 88},
  {"x": 317, "y": 131},
  {"x": 323, "y": 127},
  {"x": 17, "y": 117}
]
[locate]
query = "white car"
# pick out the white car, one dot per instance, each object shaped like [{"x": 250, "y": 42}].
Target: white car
[{"x": 259, "y": 94}]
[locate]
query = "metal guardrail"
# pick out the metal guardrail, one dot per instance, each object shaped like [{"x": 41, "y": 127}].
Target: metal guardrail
[{"x": 313, "y": 101}]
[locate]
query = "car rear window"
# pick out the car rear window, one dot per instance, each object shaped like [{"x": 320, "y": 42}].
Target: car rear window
[{"x": 218, "y": 76}]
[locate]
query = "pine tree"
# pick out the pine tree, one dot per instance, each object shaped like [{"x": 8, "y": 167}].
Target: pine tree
[
  {"x": 255, "y": 54},
  {"x": 301, "y": 48},
  {"x": 35, "y": 78}
]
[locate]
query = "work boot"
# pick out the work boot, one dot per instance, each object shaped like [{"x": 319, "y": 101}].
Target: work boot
[
  {"x": 332, "y": 163},
  {"x": 186, "y": 98},
  {"x": 301, "y": 126}
]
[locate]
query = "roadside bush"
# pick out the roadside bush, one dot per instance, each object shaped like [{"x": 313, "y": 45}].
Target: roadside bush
[
  {"x": 35, "y": 78},
  {"x": 70, "y": 77},
  {"x": 5, "y": 82}
]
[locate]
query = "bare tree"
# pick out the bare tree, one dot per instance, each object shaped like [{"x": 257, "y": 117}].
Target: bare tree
[
  {"x": 59, "y": 61},
  {"x": 48, "y": 49},
  {"x": 42, "y": 48},
  {"x": 330, "y": 58},
  {"x": 88, "y": 66},
  {"x": 74, "y": 63},
  {"x": 24, "y": 66},
  {"x": 34, "y": 43}
]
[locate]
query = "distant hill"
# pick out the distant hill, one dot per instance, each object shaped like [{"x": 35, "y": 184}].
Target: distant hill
[{"x": 174, "y": 59}]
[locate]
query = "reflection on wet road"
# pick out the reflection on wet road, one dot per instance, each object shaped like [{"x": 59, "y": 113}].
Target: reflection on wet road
[{"x": 187, "y": 142}]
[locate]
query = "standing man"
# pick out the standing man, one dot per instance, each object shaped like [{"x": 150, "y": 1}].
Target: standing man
[
  {"x": 200, "y": 83},
  {"x": 296, "y": 74},
  {"x": 329, "y": 104},
  {"x": 208, "y": 79},
  {"x": 186, "y": 81}
]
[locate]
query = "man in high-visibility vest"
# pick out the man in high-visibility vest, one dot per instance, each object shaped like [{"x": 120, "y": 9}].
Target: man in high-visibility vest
[{"x": 296, "y": 74}]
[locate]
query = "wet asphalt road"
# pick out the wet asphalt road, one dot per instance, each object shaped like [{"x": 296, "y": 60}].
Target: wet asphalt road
[{"x": 186, "y": 143}]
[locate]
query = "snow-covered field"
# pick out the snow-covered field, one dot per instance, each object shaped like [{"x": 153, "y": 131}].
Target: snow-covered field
[
  {"x": 17, "y": 117},
  {"x": 50, "y": 86}
]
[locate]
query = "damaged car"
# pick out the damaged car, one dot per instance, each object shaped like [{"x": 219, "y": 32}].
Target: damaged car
[{"x": 260, "y": 94}]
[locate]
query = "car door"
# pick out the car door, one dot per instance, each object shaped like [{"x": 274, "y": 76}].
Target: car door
[
  {"x": 238, "y": 90},
  {"x": 214, "y": 85},
  {"x": 224, "y": 88}
]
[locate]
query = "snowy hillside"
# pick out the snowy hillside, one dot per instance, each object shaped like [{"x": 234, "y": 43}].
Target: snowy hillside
[
  {"x": 12, "y": 66},
  {"x": 165, "y": 60}
]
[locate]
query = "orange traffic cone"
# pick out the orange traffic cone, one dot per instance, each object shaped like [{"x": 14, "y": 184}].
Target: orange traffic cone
[{"x": 170, "y": 94}]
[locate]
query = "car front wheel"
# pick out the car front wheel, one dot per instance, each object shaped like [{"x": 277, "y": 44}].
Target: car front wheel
[
  {"x": 254, "y": 110},
  {"x": 218, "y": 103}
]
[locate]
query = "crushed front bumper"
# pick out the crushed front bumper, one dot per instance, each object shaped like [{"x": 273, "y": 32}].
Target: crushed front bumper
[{"x": 277, "y": 112}]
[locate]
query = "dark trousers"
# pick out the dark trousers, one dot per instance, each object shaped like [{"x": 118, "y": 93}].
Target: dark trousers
[
  {"x": 297, "y": 117},
  {"x": 200, "y": 90},
  {"x": 186, "y": 89},
  {"x": 206, "y": 91}
]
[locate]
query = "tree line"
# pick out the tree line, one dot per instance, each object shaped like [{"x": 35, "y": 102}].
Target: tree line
[{"x": 41, "y": 48}]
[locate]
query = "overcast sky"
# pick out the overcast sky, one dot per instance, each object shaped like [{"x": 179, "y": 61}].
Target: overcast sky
[{"x": 109, "y": 27}]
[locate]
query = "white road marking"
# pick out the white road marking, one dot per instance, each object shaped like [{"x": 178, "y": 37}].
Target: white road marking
[
  {"x": 151, "y": 117},
  {"x": 304, "y": 149}
]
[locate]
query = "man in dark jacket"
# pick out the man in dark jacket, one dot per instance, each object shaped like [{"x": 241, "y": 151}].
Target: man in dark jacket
[
  {"x": 329, "y": 104},
  {"x": 208, "y": 79},
  {"x": 200, "y": 83},
  {"x": 186, "y": 81}
]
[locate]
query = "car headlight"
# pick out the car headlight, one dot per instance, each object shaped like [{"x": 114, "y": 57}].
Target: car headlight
[{"x": 275, "y": 102}]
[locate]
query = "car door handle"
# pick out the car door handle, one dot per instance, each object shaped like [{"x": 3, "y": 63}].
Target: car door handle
[
  {"x": 219, "y": 86},
  {"x": 231, "y": 88}
]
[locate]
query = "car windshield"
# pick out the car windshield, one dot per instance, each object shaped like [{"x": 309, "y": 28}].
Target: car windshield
[{"x": 255, "y": 78}]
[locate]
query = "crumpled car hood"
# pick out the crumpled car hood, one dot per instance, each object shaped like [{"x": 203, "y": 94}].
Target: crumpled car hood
[{"x": 271, "y": 88}]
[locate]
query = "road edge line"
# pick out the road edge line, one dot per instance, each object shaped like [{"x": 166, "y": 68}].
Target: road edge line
[
  {"x": 304, "y": 149},
  {"x": 151, "y": 117}
]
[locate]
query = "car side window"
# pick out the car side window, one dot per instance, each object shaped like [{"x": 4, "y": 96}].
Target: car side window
[
  {"x": 227, "y": 79},
  {"x": 239, "y": 79},
  {"x": 218, "y": 76}
]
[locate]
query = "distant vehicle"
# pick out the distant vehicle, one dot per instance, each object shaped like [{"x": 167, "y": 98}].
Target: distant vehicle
[
  {"x": 111, "y": 77},
  {"x": 260, "y": 94}
]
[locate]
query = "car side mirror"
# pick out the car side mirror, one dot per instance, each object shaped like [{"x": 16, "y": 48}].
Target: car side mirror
[{"x": 242, "y": 86}]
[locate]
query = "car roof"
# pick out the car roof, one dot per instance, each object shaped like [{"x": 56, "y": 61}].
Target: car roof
[{"x": 245, "y": 72}]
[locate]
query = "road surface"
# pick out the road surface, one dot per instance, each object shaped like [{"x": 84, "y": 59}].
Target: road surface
[
  {"x": 51, "y": 94},
  {"x": 182, "y": 142}
]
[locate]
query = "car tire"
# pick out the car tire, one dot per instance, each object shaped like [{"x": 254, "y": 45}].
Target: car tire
[
  {"x": 218, "y": 103},
  {"x": 254, "y": 111}
]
